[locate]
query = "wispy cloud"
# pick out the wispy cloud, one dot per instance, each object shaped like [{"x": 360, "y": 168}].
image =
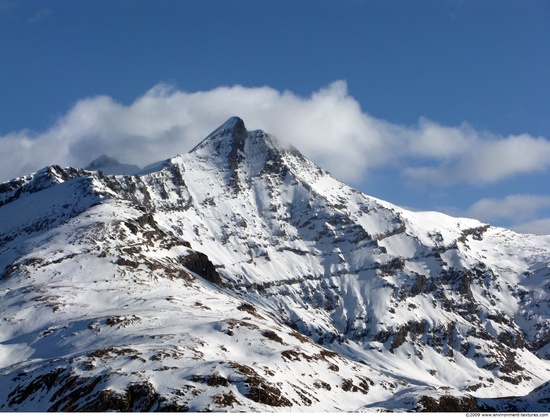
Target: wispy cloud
[
  {"x": 537, "y": 226},
  {"x": 6, "y": 6},
  {"x": 520, "y": 207},
  {"x": 522, "y": 210},
  {"x": 39, "y": 16}
]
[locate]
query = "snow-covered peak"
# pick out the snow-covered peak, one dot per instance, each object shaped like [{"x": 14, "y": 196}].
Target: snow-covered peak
[
  {"x": 232, "y": 129},
  {"x": 234, "y": 123}
]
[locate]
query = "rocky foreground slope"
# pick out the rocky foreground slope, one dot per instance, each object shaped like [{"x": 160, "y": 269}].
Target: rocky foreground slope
[{"x": 242, "y": 277}]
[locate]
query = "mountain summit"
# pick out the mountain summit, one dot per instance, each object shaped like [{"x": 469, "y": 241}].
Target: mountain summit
[
  {"x": 243, "y": 277},
  {"x": 232, "y": 131}
]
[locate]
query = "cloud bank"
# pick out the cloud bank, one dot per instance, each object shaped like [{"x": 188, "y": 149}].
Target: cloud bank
[{"x": 329, "y": 127}]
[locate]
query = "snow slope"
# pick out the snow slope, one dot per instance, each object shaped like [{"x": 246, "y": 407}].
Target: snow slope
[{"x": 242, "y": 277}]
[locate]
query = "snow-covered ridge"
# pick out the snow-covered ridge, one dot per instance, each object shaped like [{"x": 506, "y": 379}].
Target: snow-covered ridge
[{"x": 243, "y": 277}]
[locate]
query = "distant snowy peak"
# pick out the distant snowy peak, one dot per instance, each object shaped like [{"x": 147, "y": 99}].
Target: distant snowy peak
[
  {"x": 102, "y": 161},
  {"x": 110, "y": 165}
]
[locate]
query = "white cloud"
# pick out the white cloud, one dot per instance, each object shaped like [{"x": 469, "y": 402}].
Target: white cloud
[
  {"x": 329, "y": 127},
  {"x": 463, "y": 155},
  {"x": 539, "y": 227},
  {"x": 431, "y": 140},
  {"x": 519, "y": 208}
]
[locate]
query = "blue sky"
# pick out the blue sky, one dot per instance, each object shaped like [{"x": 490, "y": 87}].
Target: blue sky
[{"x": 432, "y": 105}]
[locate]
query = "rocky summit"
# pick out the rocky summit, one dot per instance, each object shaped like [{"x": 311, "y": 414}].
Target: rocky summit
[{"x": 242, "y": 277}]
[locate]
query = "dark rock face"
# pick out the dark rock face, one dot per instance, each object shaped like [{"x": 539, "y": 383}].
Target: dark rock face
[
  {"x": 238, "y": 137},
  {"x": 200, "y": 264},
  {"x": 69, "y": 392},
  {"x": 260, "y": 390},
  {"x": 447, "y": 403}
]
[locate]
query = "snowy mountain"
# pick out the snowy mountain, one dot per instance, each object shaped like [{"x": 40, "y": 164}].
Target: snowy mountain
[{"x": 243, "y": 277}]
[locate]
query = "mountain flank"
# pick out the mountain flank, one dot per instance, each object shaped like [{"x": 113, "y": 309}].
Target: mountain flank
[{"x": 243, "y": 277}]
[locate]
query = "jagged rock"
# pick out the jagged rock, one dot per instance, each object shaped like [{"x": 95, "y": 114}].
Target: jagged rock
[
  {"x": 200, "y": 264},
  {"x": 447, "y": 403}
]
